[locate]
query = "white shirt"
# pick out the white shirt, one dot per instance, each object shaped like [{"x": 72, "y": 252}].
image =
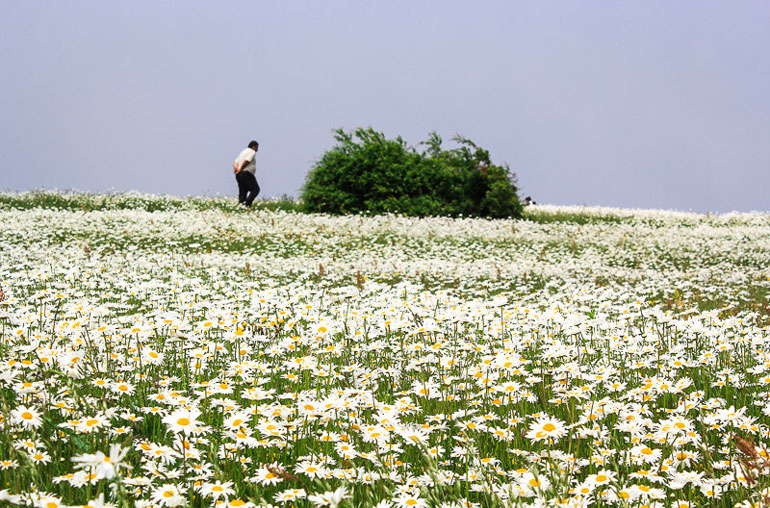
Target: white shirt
[{"x": 248, "y": 154}]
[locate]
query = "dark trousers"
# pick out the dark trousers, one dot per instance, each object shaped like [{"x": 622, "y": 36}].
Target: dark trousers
[{"x": 248, "y": 188}]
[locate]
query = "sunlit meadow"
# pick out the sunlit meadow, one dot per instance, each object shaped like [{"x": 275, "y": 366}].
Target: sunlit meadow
[{"x": 159, "y": 352}]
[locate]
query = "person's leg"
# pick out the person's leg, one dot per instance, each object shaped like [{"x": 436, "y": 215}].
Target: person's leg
[
  {"x": 255, "y": 190},
  {"x": 242, "y": 187},
  {"x": 253, "y": 187}
]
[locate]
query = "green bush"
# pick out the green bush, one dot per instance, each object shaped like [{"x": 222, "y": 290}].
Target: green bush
[{"x": 365, "y": 172}]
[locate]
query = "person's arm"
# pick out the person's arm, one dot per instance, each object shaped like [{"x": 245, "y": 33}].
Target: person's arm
[{"x": 237, "y": 168}]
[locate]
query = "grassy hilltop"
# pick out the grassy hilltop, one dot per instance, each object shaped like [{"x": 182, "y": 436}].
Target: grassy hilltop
[{"x": 160, "y": 351}]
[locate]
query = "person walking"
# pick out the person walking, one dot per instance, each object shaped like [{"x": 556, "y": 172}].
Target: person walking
[{"x": 245, "y": 167}]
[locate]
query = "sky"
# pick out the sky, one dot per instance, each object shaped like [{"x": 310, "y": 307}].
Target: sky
[{"x": 648, "y": 104}]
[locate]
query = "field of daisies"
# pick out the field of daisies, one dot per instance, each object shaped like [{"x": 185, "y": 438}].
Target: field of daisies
[{"x": 160, "y": 353}]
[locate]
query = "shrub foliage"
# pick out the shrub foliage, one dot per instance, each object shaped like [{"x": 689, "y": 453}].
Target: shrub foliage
[{"x": 365, "y": 172}]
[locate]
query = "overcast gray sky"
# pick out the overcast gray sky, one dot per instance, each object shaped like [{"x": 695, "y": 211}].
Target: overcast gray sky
[{"x": 649, "y": 104}]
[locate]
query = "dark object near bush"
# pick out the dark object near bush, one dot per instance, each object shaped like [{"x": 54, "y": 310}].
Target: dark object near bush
[{"x": 365, "y": 172}]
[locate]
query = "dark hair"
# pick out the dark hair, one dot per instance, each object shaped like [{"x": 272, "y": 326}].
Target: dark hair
[{"x": 253, "y": 144}]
